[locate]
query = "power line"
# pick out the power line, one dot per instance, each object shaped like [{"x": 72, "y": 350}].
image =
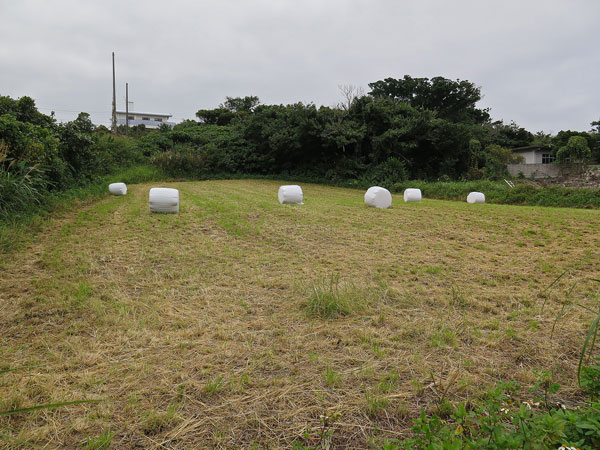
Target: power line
[{"x": 72, "y": 110}]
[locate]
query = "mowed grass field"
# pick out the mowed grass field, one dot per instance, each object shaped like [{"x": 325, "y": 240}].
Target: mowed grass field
[{"x": 202, "y": 329}]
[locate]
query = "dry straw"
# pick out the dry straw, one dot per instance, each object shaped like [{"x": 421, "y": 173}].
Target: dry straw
[{"x": 198, "y": 329}]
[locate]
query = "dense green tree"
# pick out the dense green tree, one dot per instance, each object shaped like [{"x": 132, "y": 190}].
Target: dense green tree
[
  {"x": 562, "y": 138},
  {"x": 577, "y": 152},
  {"x": 497, "y": 159},
  {"x": 542, "y": 139},
  {"x": 76, "y": 146},
  {"x": 509, "y": 136},
  {"x": 241, "y": 104},
  {"x": 450, "y": 100},
  {"x": 232, "y": 108},
  {"x": 218, "y": 116},
  {"x": 24, "y": 110},
  {"x": 368, "y": 132},
  {"x": 341, "y": 135}
]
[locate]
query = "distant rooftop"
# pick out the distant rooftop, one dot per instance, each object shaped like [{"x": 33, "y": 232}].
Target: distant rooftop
[
  {"x": 144, "y": 113},
  {"x": 146, "y": 123},
  {"x": 531, "y": 147}
]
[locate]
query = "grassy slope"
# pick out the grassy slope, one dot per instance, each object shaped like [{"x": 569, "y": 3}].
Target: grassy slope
[
  {"x": 16, "y": 226},
  {"x": 193, "y": 326}
]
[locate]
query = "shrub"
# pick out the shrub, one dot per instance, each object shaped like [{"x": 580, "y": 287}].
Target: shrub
[
  {"x": 576, "y": 152},
  {"x": 22, "y": 184},
  {"x": 496, "y": 159},
  {"x": 387, "y": 173}
]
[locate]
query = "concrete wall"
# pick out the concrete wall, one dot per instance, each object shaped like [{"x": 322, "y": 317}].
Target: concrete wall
[
  {"x": 532, "y": 156},
  {"x": 537, "y": 171},
  {"x": 529, "y": 156}
]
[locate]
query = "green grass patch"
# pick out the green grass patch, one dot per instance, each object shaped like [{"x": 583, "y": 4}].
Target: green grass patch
[
  {"x": 501, "y": 193},
  {"x": 16, "y": 229},
  {"x": 330, "y": 299}
]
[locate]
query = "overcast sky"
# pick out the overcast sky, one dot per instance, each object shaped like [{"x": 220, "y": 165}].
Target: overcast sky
[{"x": 537, "y": 61}]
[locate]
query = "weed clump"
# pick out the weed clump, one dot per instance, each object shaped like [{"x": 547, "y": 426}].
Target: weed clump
[{"x": 329, "y": 299}]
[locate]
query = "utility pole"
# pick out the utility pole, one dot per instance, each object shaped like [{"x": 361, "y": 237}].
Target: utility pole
[
  {"x": 114, "y": 105},
  {"x": 126, "y": 108}
]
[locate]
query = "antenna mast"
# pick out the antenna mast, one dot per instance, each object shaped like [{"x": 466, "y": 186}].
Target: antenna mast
[
  {"x": 114, "y": 103},
  {"x": 126, "y": 108}
]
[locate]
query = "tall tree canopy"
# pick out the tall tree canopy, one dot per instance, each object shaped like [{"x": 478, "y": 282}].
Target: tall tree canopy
[
  {"x": 234, "y": 107},
  {"x": 451, "y": 100}
]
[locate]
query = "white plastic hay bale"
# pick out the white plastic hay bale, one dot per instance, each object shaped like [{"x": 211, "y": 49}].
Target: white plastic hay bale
[
  {"x": 291, "y": 193},
  {"x": 378, "y": 197},
  {"x": 164, "y": 200},
  {"x": 476, "y": 197},
  {"x": 117, "y": 188},
  {"x": 412, "y": 195}
]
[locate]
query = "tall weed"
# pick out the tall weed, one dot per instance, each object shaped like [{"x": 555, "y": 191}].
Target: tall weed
[{"x": 22, "y": 185}]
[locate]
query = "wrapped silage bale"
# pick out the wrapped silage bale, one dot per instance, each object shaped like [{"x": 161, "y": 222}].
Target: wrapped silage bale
[
  {"x": 476, "y": 197},
  {"x": 291, "y": 193},
  {"x": 378, "y": 197},
  {"x": 412, "y": 195},
  {"x": 165, "y": 200},
  {"x": 117, "y": 188}
]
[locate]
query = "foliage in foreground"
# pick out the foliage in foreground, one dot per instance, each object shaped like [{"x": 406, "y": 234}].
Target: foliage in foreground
[
  {"x": 501, "y": 423},
  {"x": 499, "y": 420}
]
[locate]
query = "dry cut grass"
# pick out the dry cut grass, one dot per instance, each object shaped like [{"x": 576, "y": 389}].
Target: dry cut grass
[{"x": 240, "y": 323}]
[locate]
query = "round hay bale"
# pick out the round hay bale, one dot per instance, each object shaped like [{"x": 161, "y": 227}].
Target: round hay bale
[
  {"x": 291, "y": 193},
  {"x": 378, "y": 197},
  {"x": 412, "y": 195},
  {"x": 165, "y": 200},
  {"x": 476, "y": 197},
  {"x": 117, "y": 188}
]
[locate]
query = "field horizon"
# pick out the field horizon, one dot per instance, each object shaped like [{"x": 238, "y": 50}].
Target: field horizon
[{"x": 241, "y": 322}]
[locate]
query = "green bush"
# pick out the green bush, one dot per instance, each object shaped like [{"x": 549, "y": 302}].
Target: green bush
[
  {"x": 22, "y": 186},
  {"x": 499, "y": 423},
  {"x": 184, "y": 160},
  {"x": 387, "y": 173},
  {"x": 116, "y": 152},
  {"x": 501, "y": 193}
]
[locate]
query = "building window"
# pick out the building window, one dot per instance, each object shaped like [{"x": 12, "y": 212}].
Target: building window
[
  {"x": 548, "y": 158},
  {"x": 157, "y": 119},
  {"x": 131, "y": 117},
  {"x": 145, "y": 118}
]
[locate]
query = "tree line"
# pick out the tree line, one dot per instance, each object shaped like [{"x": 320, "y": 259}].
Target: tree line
[{"x": 415, "y": 128}]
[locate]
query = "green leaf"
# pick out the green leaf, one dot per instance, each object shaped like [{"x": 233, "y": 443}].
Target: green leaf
[
  {"x": 46, "y": 406},
  {"x": 14, "y": 369},
  {"x": 554, "y": 387}
]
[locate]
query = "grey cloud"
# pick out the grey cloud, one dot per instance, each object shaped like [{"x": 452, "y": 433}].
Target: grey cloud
[{"x": 535, "y": 61}]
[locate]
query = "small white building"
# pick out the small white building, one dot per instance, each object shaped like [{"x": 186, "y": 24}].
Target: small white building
[
  {"x": 538, "y": 162},
  {"x": 535, "y": 154},
  {"x": 149, "y": 120}
]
